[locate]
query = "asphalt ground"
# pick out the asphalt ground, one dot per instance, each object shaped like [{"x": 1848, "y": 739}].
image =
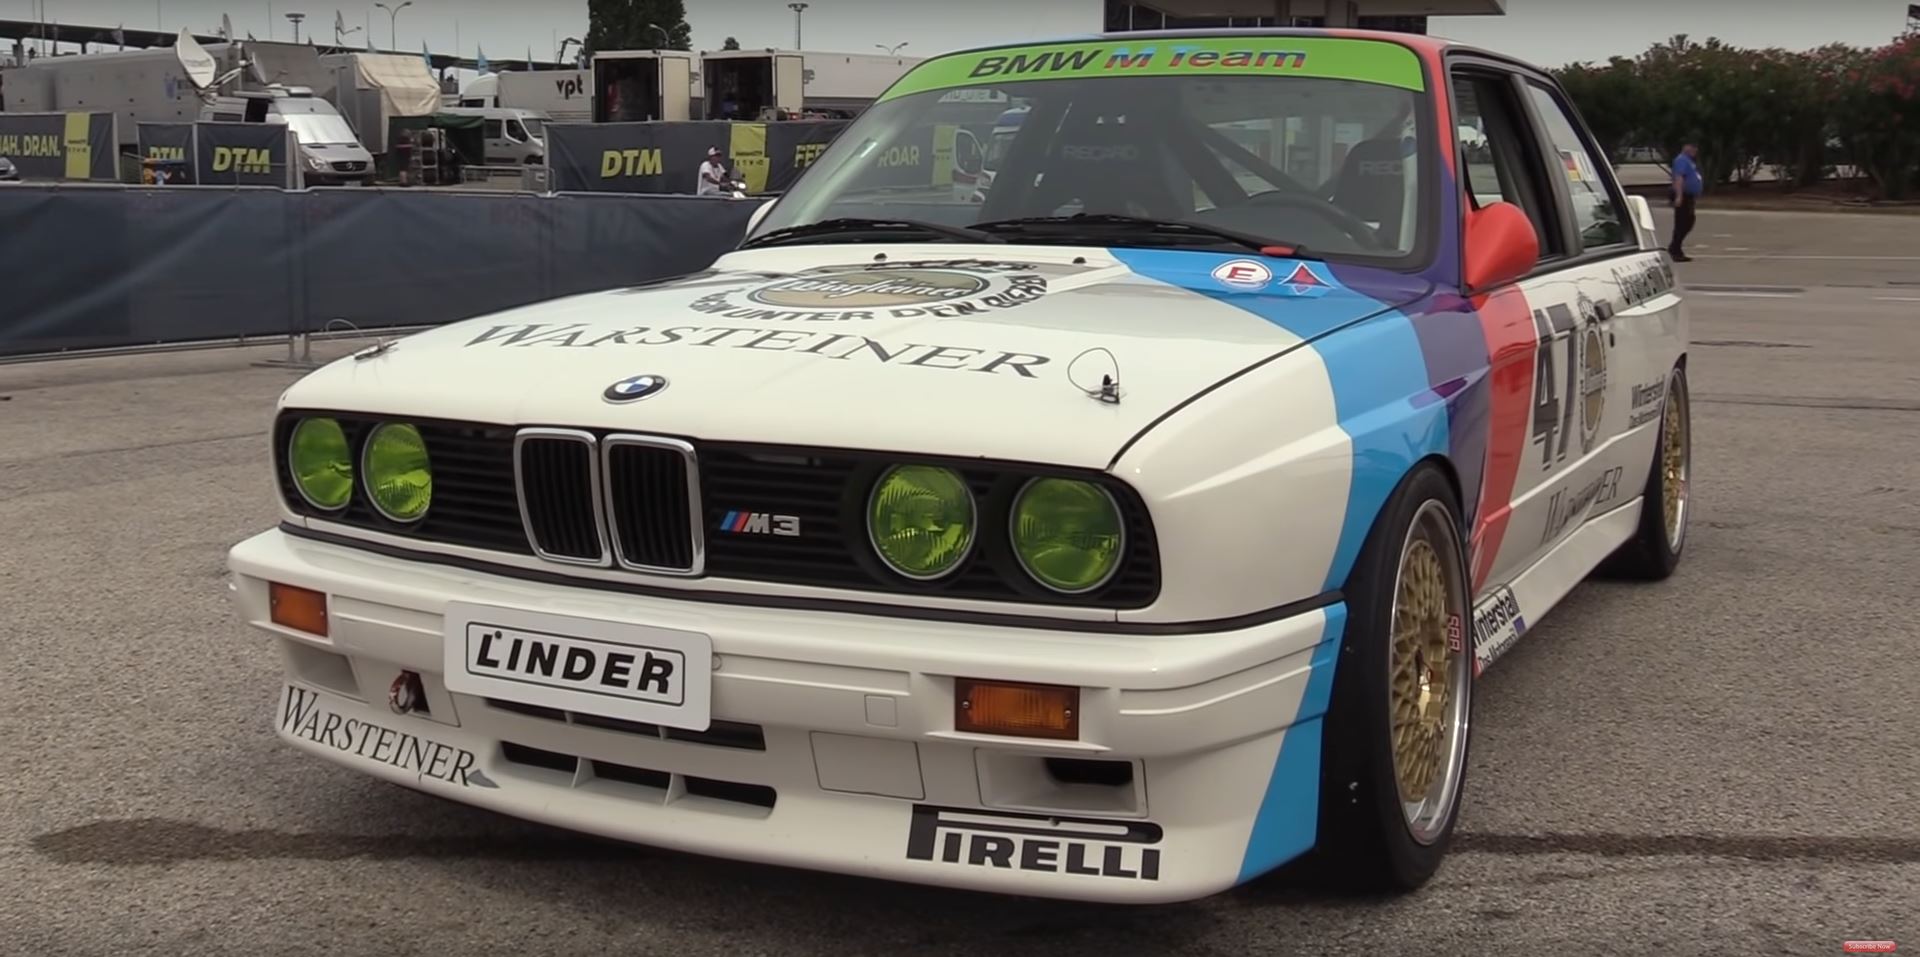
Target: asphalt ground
[{"x": 1719, "y": 764}]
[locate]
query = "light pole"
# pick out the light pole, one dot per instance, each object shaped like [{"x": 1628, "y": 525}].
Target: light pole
[
  {"x": 296, "y": 18},
  {"x": 666, "y": 41},
  {"x": 393, "y": 25},
  {"x": 891, "y": 50},
  {"x": 798, "y": 9}
]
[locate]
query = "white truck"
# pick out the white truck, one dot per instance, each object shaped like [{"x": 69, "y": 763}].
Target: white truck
[
  {"x": 763, "y": 84},
  {"x": 371, "y": 89},
  {"x": 639, "y": 85},
  {"x": 564, "y": 96},
  {"x": 142, "y": 86}
]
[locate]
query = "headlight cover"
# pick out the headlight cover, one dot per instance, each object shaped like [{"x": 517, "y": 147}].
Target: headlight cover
[
  {"x": 921, "y": 520},
  {"x": 1067, "y": 534},
  {"x": 399, "y": 475},
  {"x": 321, "y": 463}
]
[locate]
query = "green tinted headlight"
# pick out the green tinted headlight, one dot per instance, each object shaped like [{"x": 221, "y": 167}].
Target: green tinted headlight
[
  {"x": 399, "y": 477},
  {"x": 1067, "y": 534},
  {"x": 921, "y": 520},
  {"x": 321, "y": 463}
]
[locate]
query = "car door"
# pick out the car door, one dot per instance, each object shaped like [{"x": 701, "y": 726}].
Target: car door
[
  {"x": 1624, "y": 312},
  {"x": 497, "y": 143},
  {"x": 1553, "y": 337},
  {"x": 1626, "y": 290}
]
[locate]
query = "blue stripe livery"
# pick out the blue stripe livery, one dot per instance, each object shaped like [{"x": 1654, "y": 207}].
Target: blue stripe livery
[
  {"x": 1393, "y": 412},
  {"x": 1289, "y": 818},
  {"x": 1378, "y": 369}
]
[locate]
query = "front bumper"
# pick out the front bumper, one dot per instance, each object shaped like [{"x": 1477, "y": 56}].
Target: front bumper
[{"x": 834, "y": 745}]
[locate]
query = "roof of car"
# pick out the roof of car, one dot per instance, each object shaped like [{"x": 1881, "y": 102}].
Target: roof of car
[{"x": 1421, "y": 43}]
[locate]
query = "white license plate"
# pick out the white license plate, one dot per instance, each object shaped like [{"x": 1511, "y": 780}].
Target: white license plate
[{"x": 614, "y": 669}]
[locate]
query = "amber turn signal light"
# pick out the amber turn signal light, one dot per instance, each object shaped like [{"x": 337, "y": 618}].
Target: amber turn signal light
[
  {"x": 1022, "y": 710},
  {"x": 298, "y": 608}
]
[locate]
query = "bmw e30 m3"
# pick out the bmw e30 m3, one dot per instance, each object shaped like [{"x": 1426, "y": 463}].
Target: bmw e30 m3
[{"x": 1122, "y": 533}]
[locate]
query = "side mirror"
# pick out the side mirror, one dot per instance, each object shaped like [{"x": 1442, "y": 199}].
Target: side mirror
[
  {"x": 1643, "y": 219},
  {"x": 1501, "y": 246}
]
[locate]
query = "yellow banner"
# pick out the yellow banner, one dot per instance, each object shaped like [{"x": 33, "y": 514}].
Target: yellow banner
[
  {"x": 79, "y": 146},
  {"x": 748, "y": 150},
  {"x": 944, "y": 136}
]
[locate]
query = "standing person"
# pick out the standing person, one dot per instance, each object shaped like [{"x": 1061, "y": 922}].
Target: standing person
[
  {"x": 1687, "y": 185},
  {"x": 712, "y": 173}
]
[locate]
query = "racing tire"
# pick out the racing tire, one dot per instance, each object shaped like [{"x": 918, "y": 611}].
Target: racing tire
[
  {"x": 1654, "y": 550},
  {"x": 1397, "y": 723}
]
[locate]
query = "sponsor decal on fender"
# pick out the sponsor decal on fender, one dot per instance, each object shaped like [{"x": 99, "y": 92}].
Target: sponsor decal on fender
[
  {"x": 907, "y": 290},
  {"x": 1497, "y": 624},
  {"x": 1303, "y": 281},
  {"x": 1646, "y": 402},
  {"x": 1569, "y": 504},
  {"x": 1039, "y": 843},
  {"x": 826, "y": 345},
  {"x": 304, "y": 715},
  {"x": 1643, "y": 285},
  {"x": 1244, "y": 273}
]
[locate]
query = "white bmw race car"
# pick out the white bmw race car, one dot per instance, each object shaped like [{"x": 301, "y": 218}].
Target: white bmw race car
[{"x": 1123, "y": 537}]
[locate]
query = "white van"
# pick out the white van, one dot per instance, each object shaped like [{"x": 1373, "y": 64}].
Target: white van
[
  {"x": 514, "y": 137},
  {"x": 330, "y": 152}
]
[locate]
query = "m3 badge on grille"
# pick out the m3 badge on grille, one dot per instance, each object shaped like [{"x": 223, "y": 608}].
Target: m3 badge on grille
[
  {"x": 761, "y": 523},
  {"x": 635, "y": 388}
]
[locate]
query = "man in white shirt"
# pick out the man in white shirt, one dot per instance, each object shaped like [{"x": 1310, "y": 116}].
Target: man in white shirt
[{"x": 712, "y": 173}]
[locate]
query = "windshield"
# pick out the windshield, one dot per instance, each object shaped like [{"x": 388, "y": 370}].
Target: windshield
[
  {"x": 321, "y": 129},
  {"x": 1312, "y": 142},
  {"x": 532, "y": 126}
]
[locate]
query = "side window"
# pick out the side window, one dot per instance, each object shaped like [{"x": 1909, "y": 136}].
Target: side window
[
  {"x": 1499, "y": 158},
  {"x": 495, "y": 130},
  {"x": 1595, "y": 213}
]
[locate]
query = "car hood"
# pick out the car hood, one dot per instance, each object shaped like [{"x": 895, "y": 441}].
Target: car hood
[{"x": 911, "y": 348}]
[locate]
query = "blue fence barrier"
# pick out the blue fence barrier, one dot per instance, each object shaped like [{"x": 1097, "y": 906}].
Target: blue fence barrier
[{"x": 86, "y": 267}]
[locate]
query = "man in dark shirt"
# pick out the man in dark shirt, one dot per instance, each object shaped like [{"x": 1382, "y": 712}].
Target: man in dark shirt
[{"x": 1687, "y": 185}]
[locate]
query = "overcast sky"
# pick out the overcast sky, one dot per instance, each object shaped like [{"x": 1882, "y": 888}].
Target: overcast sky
[{"x": 1549, "y": 32}]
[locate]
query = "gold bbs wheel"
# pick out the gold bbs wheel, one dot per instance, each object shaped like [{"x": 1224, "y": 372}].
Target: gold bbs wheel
[
  {"x": 1675, "y": 464},
  {"x": 1429, "y": 673}
]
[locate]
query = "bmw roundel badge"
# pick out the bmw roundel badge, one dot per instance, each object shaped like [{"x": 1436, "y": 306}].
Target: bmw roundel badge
[{"x": 635, "y": 388}]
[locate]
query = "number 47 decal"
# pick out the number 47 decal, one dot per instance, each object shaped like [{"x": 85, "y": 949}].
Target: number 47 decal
[{"x": 1552, "y": 413}]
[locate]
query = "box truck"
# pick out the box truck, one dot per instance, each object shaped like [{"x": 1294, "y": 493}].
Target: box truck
[
  {"x": 766, "y": 84},
  {"x": 372, "y": 89},
  {"x": 640, "y": 85},
  {"x": 565, "y": 96}
]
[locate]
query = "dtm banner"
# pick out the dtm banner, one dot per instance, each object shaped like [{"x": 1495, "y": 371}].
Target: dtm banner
[
  {"x": 244, "y": 154},
  {"x": 632, "y": 157},
  {"x": 666, "y": 157},
  {"x": 172, "y": 145},
  {"x": 47, "y": 146}
]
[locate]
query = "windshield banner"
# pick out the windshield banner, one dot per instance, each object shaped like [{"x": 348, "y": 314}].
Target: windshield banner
[
  {"x": 51, "y": 146},
  {"x": 1366, "y": 61},
  {"x": 244, "y": 154}
]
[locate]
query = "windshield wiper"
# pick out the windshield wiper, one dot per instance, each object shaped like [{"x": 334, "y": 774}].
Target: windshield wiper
[
  {"x": 885, "y": 227},
  {"x": 1165, "y": 228}
]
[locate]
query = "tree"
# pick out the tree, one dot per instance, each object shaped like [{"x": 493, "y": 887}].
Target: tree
[
  {"x": 629, "y": 25},
  {"x": 1610, "y": 98},
  {"x": 731, "y": 44},
  {"x": 1877, "y": 113}
]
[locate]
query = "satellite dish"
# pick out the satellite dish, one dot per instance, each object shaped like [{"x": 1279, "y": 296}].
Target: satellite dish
[{"x": 195, "y": 59}]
